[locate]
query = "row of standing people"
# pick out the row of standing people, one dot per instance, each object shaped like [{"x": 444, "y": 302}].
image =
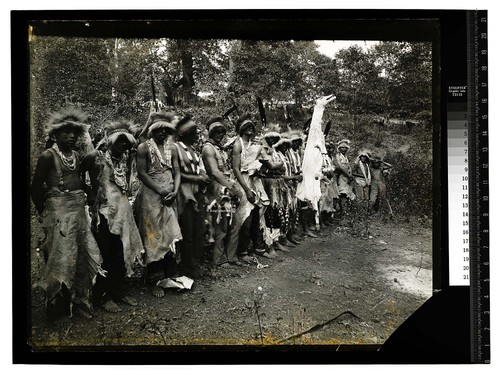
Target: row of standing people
[
  {"x": 345, "y": 184},
  {"x": 247, "y": 196}
]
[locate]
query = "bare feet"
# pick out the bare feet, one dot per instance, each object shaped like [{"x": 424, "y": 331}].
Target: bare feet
[
  {"x": 157, "y": 291},
  {"x": 236, "y": 263},
  {"x": 284, "y": 241},
  {"x": 292, "y": 240},
  {"x": 310, "y": 234},
  {"x": 246, "y": 259},
  {"x": 280, "y": 247},
  {"x": 272, "y": 254},
  {"x": 82, "y": 312},
  {"x": 112, "y": 307},
  {"x": 129, "y": 301}
]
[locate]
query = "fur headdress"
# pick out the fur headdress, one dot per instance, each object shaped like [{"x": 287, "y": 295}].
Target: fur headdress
[
  {"x": 158, "y": 120},
  {"x": 272, "y": 131},
  {"x": 364, "y": 153},
  {"x": 343, "y": 143},
  {"x": 295, "y": 135},
  {"x": 69, "y": 116},
  {"x": 283, "y": 140},
  {"x": 115, "y": 129}
]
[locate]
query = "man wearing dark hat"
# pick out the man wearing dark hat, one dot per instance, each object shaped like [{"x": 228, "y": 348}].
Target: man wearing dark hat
[
  {"x": 153, "y": 205},
  {"x": 72, "y": 257},
  {"x": 193, "y": 185},
  {"x": 362, "y": 179},
  {"x": 378, "y": 190},
  {"x": 220, "y": 192}
]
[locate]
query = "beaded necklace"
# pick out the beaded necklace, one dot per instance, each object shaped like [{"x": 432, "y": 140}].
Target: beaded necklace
[
  {"x": 195, "y": 163},
  {"x": 157, "y": 157},
  {"x": 286, "y": 163},
  {"x": 119, "y": 169},
  {"x": 69, "y": 162}
]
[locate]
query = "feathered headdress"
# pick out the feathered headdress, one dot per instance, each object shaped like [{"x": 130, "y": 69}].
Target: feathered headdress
[
  {"x": 283, "y": 140},
  {"x": 69, "y": 116},
  {"x": 343, "y": 143},
  {"x": 364, "y": 153},
  {"x": 115, "y": 129},
  {"x": 158, "y": 120},
  {"x": 295, "y": 135},
  {"x": 273, "y": 131}
]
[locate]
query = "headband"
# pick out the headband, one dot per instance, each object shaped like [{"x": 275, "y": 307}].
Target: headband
[
  {"x": 214, "y": 125},
  {"x": 160, "y": 124},
  {"x": 185, "y": 127}
]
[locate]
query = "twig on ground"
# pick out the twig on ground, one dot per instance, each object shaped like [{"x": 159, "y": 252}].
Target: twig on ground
[
  {"x": 378, "y": 304},
  {"x": 318, "y": 326},
  {"x": 421, "y": 259},
  {"x": 258, "y": 320}
]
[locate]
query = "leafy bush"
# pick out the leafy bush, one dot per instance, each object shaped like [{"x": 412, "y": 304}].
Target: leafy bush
[{"x": 409, "y": 185}]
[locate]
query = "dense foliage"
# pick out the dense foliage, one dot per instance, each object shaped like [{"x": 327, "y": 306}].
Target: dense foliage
[{"x": 111, "y": 78}]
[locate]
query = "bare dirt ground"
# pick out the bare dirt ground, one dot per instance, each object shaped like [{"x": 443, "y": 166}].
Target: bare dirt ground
[{"x": 376, "y": 282}]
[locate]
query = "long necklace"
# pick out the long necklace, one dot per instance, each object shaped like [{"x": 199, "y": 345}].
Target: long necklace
[
  {"x": 195, "y": 164},
  {"x": 69, "y": 162},
  {"x": 119, "y": 167},
  {"x": 286, "y": 163},
  {"x": 244, "y": 149},
  {"x": 156, "y": 155}
]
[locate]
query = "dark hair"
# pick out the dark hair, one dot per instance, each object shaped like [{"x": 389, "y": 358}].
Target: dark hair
[
  {"x": 183, "y": 121},
  {"x": 214, "y": 119},
  {"x": 241, "y": 120}
]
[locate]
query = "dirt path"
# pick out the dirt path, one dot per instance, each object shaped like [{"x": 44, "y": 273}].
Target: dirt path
[{"x": 381, "y": 280}]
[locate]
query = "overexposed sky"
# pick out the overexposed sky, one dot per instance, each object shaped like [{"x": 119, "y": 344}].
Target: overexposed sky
[{"x": 331, "y": 47}]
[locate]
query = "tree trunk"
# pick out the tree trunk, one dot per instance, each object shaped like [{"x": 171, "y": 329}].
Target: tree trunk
[
  {"x": 187, "y": 70},
  {"x": 169, "y": 92}
]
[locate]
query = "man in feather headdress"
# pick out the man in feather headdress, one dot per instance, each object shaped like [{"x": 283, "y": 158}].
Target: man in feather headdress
[
  {"x": 153, "y": 206},
  {"x": 113, "y": 221},
  {"x": 72, "y": 257}
]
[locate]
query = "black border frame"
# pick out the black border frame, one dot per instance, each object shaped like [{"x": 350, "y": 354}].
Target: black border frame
[{"x": 438, "y": 332}]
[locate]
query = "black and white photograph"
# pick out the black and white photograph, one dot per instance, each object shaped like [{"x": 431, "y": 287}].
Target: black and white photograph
[
  {"x": 228, "y": 191},
  {"x": 237, "y": 187}
]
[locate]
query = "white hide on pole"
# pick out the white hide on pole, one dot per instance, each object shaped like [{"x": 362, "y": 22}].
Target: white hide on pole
[{"x": 309, "y": 188}]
